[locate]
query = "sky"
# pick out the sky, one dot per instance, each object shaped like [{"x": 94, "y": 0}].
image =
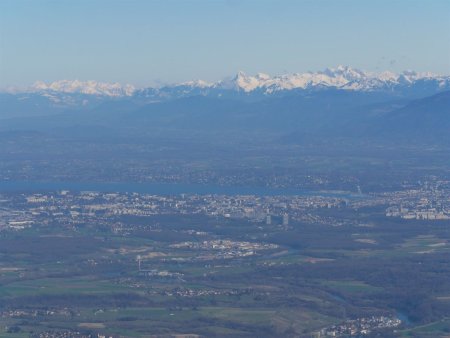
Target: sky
[{"x": 144, "y": 42}]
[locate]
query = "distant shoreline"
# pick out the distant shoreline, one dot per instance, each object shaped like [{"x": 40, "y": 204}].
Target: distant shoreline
[{"x": 163, "y": 188}]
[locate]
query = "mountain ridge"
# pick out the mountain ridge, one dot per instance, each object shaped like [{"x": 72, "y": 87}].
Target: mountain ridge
[{"x": 342, "y": 78}]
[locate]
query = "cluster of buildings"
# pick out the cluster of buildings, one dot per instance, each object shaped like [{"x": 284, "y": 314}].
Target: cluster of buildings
[
  {"x": 70, "y": 334},
  {"x": 360, "y": 327},
  {"x": 24, "y": 313},
  {"x": 61, "y": 334},
  {"x": 189, "y": 292},
  {"x": 19, "y": 211},
  {"x": 225, "y": 249},
  {"x": 418, "y": 212},
  {"x": 429, "y": 202}
]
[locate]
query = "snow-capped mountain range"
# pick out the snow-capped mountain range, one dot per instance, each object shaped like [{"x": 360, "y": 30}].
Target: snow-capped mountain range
[
  {"x": 340, "y": 78},
  {"x": 341, "y": 101},
  {"x": 84, "y": 87}
]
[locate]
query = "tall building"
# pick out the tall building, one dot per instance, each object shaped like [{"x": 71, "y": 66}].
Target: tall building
[{"x": 286, "y": 219}]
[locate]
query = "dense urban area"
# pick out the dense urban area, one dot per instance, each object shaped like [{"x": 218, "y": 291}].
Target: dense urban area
[{"x": 192, "y": 265}]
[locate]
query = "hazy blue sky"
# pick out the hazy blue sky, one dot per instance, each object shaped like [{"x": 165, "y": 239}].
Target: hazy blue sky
[{"x": 147, "y": 42}]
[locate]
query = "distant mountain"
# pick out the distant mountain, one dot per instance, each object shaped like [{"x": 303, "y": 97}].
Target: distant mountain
[
  {"x": 341, "y": 103},
  {"x": 329, "y": 116},
  {"x": 83, "y": 87},
  {"x": 426, "y": 119},
  {"x": 242, "y": 86},
  {"x": 342, "y": 78},
  {"x": 320, "y": 116}
]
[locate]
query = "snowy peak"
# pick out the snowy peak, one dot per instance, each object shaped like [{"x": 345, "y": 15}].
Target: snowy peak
[
  {"x": 248, "y": 83},
  {"x": 84, "y": 87},
  {"x": 195, "y": 83},
  {"x": 345, "y": 72},
  {"x": 240, "y": 82}
]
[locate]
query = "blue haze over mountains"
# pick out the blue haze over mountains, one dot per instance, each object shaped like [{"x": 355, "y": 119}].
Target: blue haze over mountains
[{"x": 337, "y": 104}]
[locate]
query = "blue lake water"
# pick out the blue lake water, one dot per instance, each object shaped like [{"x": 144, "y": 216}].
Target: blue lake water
[{"x": 161, "y": 188}]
